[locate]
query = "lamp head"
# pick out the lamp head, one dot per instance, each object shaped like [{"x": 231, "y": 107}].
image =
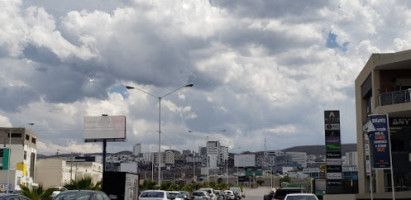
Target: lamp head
[
  {"x": 129, "y": 87},
  {"x": 189, "y": 85}
]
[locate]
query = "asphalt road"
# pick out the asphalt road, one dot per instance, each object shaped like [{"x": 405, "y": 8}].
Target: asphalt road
[{"x": 256, "y": 193}]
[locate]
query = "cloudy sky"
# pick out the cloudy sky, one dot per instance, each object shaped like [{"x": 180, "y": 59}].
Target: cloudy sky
[{"x": 262, "y": 70}]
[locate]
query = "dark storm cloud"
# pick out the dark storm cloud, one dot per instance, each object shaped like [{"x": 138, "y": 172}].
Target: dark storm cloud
[
  {"x": 300, "y": 10},
  {"x": 15, "y": 97},
  {"x": 60, "y": 8}
]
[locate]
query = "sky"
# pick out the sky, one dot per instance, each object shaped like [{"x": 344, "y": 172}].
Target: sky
[{"x": 263, "y": 71}]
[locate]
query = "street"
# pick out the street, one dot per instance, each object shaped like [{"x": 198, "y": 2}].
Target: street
[{"x": 256, "y": 193}]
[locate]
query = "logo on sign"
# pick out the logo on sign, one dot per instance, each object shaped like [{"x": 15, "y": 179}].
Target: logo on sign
[
  {"x": 333, "y": 147},
  {"x": 333, "y": 161},
  {"x": 332, "y": 133},
  {"x": 333, "y": 155},
  {"x": 332, "y": 140},
  {"x": 332, "y": 126},
  {"x": 334, "y": 183},
  {"x": 334, "y": 176},
  {"x": 334, "y": 168}
]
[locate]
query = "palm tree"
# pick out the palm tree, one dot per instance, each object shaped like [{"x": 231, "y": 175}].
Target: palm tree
[
  {"x": 83, "y": 184},
  {"x": 36, "y": 193}
]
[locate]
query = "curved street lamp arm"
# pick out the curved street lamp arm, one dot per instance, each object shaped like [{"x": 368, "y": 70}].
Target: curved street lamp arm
[
  {"x": 188, "y": 85},
  {"x": 131, "y": 87}
]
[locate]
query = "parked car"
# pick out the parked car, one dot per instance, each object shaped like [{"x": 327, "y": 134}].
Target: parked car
[
  {"x": 81, "y": 194},
  {"x": 184, "y": 195},
  {"x": 57, "y": 190},
  {"x": 154, "y": 195},
  {"x": 229, "y": 195},
  {"x": 210, "y": 192},
  {"x": 172, "y": 194},
  {"x": 10, "y": 196},
  {"x": 220, "y": 194},
  {"x": 237, "y": 192},
  {"x": 200, "y": 195},
  {"x": 301, "y": 196}
]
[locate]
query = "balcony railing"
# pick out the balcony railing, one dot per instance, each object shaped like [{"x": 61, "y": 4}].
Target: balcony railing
[{"x": 396, "y": 97}]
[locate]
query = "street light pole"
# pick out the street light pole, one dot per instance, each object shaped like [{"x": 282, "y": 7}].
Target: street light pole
[{"x": 159, "y": 121}]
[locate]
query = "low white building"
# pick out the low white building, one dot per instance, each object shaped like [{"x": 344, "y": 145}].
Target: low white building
[
  {"x": 18, "y": 153},
  {"x": 53, "y": 172}
]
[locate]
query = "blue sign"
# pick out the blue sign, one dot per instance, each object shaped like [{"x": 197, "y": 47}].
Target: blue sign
[{"x": 379, "y": 137}]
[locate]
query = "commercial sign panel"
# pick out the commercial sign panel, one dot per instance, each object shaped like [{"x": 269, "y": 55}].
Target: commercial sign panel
[
  {"x": 380, "y": 143},
  {"x": 104, "y": 128},
  {"x": 244, "y": 160},
  {"x": 333, "y": 151}
]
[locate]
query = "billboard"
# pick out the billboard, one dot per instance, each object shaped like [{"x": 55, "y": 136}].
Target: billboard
[
  {"x": 244, "y": 160},
  {"x": 380, "y": 143},
  {"x": 104, "y": 128}
]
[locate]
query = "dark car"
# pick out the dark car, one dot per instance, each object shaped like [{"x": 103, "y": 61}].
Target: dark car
[
  {"x": 5, "y": 196},
  {"x": 81, "y": 195}
]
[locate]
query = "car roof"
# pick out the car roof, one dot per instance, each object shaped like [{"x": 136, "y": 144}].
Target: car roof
[{"x": 301, "y": 194}]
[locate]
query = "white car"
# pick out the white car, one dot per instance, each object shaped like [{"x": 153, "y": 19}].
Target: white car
[
  {"x": 301, "y": 196},
  {"x": 210, "y": 192},
  {"x": 154, "y": 195},
  {"x": 229, "y": 194},
  {"x": 200, "y": 195}
]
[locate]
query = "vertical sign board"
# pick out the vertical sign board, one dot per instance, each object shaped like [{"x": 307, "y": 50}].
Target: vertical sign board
[
  {"x": 333, "y": 152},
  {"x": 379, "y": 138}
]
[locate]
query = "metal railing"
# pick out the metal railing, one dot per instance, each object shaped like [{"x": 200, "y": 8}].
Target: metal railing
[{"x": 395, "y": 97}]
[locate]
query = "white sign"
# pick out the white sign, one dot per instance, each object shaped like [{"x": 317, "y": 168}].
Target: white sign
[
  {"x": 333, "y": 161},
  {"x": 334, "y": 176},
  {"x": 244, "y": 160}
]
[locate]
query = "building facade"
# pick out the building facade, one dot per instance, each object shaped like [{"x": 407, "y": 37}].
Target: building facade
[
  {"x": 55, "y": 172},
  {"x": 383, "y": 87},
  {"x": 137, "y": 149},
  {"x": 18, "y": 152}
]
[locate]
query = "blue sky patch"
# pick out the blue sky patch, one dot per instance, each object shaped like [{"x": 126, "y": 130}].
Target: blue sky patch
[
  {"x": 121, "y": 89},
  {"x": 332, "y": 42}
]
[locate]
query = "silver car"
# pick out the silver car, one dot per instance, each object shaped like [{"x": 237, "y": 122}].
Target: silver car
[
  {"x": 154, "y": 195},
  {"x": 200, "y": 195}
]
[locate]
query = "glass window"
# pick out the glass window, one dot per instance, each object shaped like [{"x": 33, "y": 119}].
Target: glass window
[
  {"x": 27, "y": 137},
  {"x": 33, "y": 140}
]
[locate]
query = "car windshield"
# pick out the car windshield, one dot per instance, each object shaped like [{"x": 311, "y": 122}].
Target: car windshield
[
  {"x": 152, "y": 194},
  {"x": 301, "y": 197},
  {"x": 172, "y": 195},
  {"x": 78, "y": 195},
  {"x": 198, "y": 194}
]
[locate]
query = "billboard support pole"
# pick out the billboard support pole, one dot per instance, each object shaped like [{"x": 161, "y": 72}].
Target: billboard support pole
[
  {"x": 104, "y": 157},
  {"x": 391, "y": 166}
]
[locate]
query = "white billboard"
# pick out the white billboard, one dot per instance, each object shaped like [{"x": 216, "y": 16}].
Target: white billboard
[
  {"x": 108, "y": 128},
  {"x": 244, "y": 160}
]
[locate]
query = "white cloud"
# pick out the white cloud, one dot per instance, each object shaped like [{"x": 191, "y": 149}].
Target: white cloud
[{"x": 263, "y": 72}]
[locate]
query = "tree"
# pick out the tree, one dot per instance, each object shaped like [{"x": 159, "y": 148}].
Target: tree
[
  {"x": 148, "y": 185},
  {"x": 260, "y": 182},
  {"x": 36, "y": 193},
  {"x": 285, "y": 179},
  {"x": 83, "y": 184}
]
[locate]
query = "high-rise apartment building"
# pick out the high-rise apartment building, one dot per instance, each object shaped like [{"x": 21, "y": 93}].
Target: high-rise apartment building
[{"x": 137, "y": 149}]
